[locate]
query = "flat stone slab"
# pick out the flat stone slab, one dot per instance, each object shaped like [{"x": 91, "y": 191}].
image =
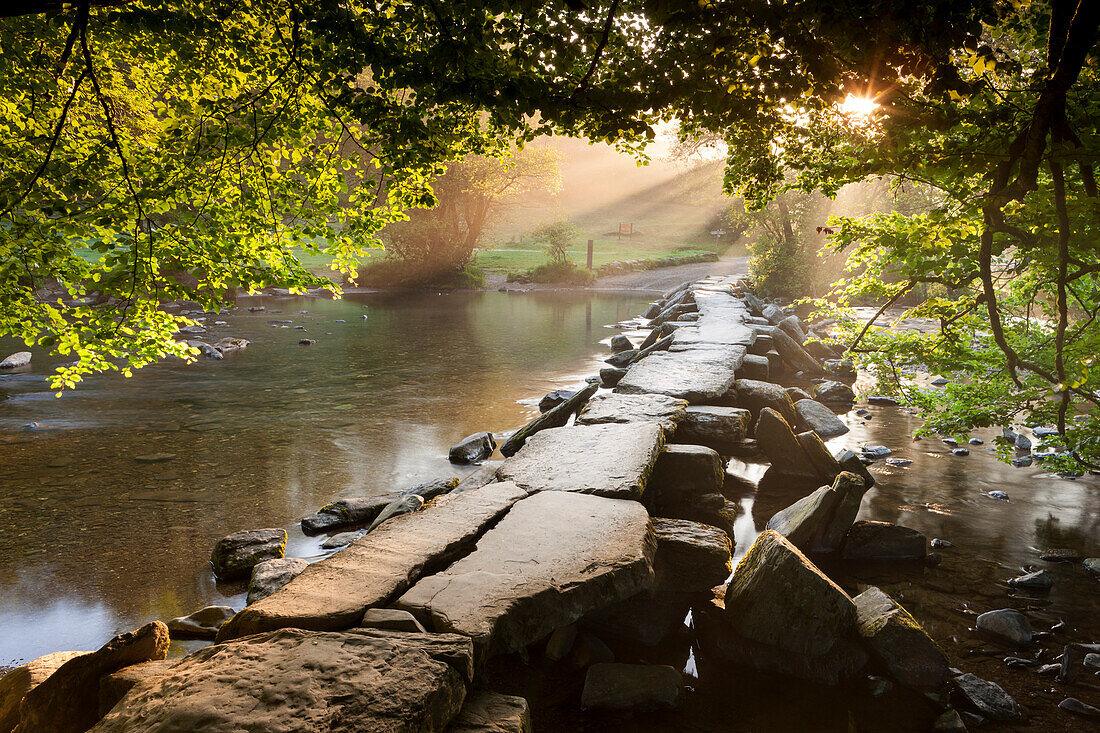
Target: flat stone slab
[
  {"x": 613, "y": 460},
  {"x": 333, "y": 593},
  {"x": 554, "y": 557},
  {"x": 490, "y": 712},
  {"x": 722, "y": 320},
  {"x": 631, "y": 408},
  {"x": 696, "y": 375},
  {"x": 361, "y": 681}
]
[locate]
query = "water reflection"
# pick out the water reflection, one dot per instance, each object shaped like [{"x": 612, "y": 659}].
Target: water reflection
[{"x": 95, "y": 542}]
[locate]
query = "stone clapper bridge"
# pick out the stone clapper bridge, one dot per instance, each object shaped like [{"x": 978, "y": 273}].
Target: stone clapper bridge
[{"x": 617, "y": 520}]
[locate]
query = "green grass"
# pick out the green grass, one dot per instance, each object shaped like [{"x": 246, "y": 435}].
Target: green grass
[{"x": 605, "y": 250}]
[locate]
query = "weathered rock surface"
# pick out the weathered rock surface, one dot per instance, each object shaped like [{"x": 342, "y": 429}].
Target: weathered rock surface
[
  {"x": 620, "y": 343},
  {"x": 883, "y": 541},
  {"x": 343, "y": 539},
  {"x": 719, "y": 428},
  {"x": 691, "y": 557},
  {"x": 393, "y": 619},
  {"x": 610, "y": 376},
  {"x": 1075, "y": 706},
  {"x": 359, "y": 681},
  {"x": 755, "y": 395},
  {"x": 114, "y": 686},
  {"x": 347, "y": 513},
  {"x": 334, "y": 592},
  {"x": 849, "y": 488},
  {"x": 633, "y": 408},
  {"x": 68, "y": 700},
  {"x": 754, "y": 367},
  {"x": 988, "y": 699},
  {"x": 849, "y": 461},
  {"x": 491, "y": 712},
  {"x": 695, "y": 375},
  {"x": 784, "y": 615},
  {"x": 15, "y": 685},
  {"x": 682, "y": 474},
  {"x": 793, "y": 455},
  {"x": 632, "y": 687},
  {"x": 472, "y": 448},
  {"x": 18, "y": 359},
  {"x": 812, "y": 415},
  {"x": 554, "y": 557},
  {"x": 1038, "y": 580},
  {"x": 1005, "y": 624},
  {"x": 613, "y": 460},
  {"x": 898, "y": 641},
  {"x": 555, "y": 417},
  {"x": 833, "y": 392},
  {"x": 271, "y": 575},
  {"x": 202, "y": 624},
  {"x": 551, "y": 400},
  {"x": 804, "y": 522},
  {"x": 792, "y": 353},
  {"x": 235, "y": 555}
]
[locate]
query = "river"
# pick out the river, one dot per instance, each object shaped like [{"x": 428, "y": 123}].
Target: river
[{"x": 94, "y": 543}]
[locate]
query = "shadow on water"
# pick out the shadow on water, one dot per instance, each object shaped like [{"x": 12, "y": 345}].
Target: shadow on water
[{"x": 95, "y": 542}]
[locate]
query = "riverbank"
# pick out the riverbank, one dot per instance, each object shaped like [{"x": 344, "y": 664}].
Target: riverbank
[{"x": 707, "y": 332}]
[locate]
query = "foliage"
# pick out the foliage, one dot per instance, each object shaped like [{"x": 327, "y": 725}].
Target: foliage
[
  {"x": 390, "y": 272},
  {"x": 556, "y": 238},
  {"x": 469, "y": 195},
  {"x": 560, "y": 271}
]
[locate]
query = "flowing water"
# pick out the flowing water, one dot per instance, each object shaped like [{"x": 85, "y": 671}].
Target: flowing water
[{"x": 93, "y": 542}]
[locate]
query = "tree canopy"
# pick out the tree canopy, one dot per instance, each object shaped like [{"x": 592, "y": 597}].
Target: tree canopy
[{"x": 156, "y": 150}]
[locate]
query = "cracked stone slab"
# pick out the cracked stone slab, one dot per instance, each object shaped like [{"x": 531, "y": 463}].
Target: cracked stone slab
[
  {"x": 553, "y": 558},
  {"x": 613, "y": 460},
  {"x": 697, "y": 375},
  {"x": 630, "y": 408},
  {"x": 360, "y": 681},
  {"x": 334, "y": 593}
]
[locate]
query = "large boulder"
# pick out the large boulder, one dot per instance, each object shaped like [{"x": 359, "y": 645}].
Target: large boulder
[
  {"x": 618, "y": 687},
  {"x": 782, "y": 614},
  {"x": 18, "y": 359},
  {"x": 554, "y": 557},
  {"x": 235, "y": 555},
  {"x": 818, "y": 522},
  {"x": 755, "y": 396},
  {"x": 849, "y": 488},
  {"x": 472, "y": 448},
  {"x": 899, "y": 642},
  {"x": 691, "y": 557},
  {"x": 720, "y": 428},
  {"x": 361, "y": 680},
  {"x": 202, "y": 624},
  {"x": 682, "y": 474},
  {"x": 490, "y": 712},
  {"x": 754, "y": 367},
  {"x": 812, "y": 415},
  {"x": 68, "y": 700},
  {"x": 613, "y": 460},
  {"x": 792, "y": 326},
  {"x": 333, "y": 593},
  {"x": 271, "y": 575},
  {"x": 793, "y": 455},
  {"x": 634, "y": 408},
  {"x": 837, "y": 392},
  {"x": 883, "y": 541},
  {"x": 15, "y": 685},
  {"x": 794, "y": 355},
  {"x": 361, "y": 510},
  {"x": 114, "y": 686}
]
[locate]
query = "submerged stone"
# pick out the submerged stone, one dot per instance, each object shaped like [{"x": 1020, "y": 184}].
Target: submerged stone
[{"x": 632, "y": 687}]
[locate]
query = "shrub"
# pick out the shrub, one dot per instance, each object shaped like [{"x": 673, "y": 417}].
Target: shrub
[{"x": 395, "y": 273}]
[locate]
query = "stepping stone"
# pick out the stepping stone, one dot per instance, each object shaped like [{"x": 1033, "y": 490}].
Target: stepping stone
[
  {"x": 361, "y": 680},
  {"x": 490, "y": 712},
  {"x": 554, "y": 557},
  {"x": 691, "y": 557},
  {"x": 697, "y": 375},
  {"x": 333, "y": 593},
  {"x": 613, "y": 460},
  {"x": 899, "y": 642},
  {"x": 715, "y": 427},
  {"x": 634, "y": 408}
]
